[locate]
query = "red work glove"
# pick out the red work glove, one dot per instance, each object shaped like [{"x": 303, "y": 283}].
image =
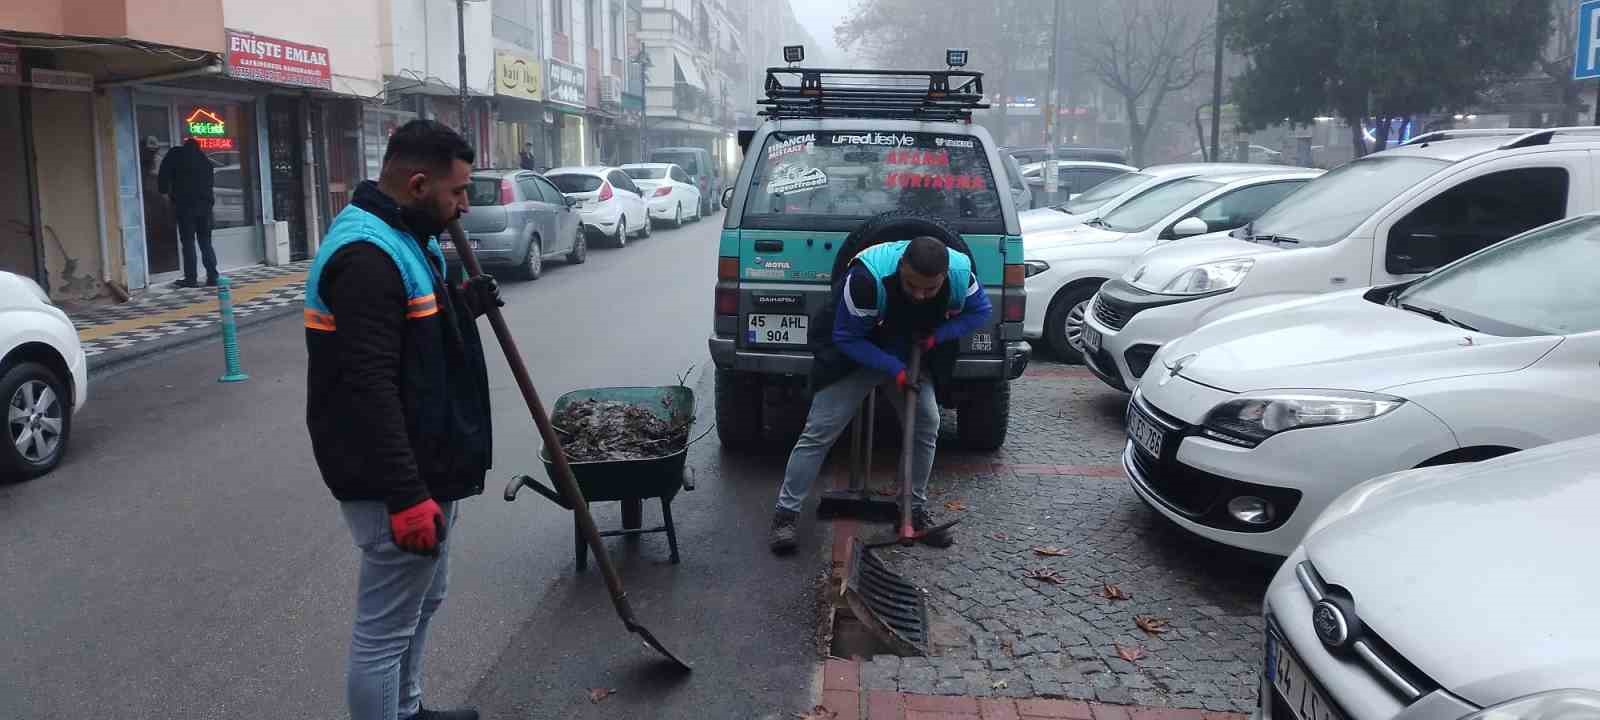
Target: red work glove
[
  {"x": 904, "y": 382},
  {"x": 419, "y": 529}
]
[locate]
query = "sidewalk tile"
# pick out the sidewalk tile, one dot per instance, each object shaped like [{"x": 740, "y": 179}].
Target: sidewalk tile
[
  {"x": 1109, "y": 712},
  {"x": 846, "y": 704},
  {"x": 942, "y": 703},
  {"x": 885, "y": 705},
  {"x": 997, "y": 709},
  {"x": 1054, "y": 709},
  {"x": 841, "y": 675}
]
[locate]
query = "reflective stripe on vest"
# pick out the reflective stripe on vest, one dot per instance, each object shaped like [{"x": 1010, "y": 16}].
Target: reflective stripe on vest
[{"x": 356, "y": 225}]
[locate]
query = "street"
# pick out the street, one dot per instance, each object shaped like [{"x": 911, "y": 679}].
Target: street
[{"x": 186, "y": 560}]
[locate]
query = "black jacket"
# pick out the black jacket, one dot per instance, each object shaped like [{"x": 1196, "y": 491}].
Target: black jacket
[
  {"x": 397, "y": 407},
  {"x": 186, "y": 177}
]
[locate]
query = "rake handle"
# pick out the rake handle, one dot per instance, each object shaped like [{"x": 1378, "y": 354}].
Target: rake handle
[{"x": 908, "y": 417}]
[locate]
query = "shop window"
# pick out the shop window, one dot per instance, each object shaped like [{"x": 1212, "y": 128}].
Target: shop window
[{"x": 226, "y": 133}]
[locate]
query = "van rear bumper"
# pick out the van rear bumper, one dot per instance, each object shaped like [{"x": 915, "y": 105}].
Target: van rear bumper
[{"x": 727, "y": 356}]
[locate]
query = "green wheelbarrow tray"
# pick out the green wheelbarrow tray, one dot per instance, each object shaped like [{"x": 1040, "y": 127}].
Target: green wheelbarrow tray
[{"x": 629, "y": 482}]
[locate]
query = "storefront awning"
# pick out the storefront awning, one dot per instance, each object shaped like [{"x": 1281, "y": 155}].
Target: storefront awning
[{"x": 686, "y": 66}]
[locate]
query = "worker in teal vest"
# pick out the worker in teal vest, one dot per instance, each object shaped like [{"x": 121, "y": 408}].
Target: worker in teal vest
[
  {"x": 894, "y": 295},
  {"x": 397, "y": 404}
]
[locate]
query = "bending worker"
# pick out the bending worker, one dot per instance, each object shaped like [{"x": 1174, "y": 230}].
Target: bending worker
[{"x": 893, "y": 295}]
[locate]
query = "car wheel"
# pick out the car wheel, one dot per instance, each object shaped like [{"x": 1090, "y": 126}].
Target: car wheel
[
  {"x": 533, "y": 267},
  {"x": 738, "y": 407},
  {"x": 38, "y": 421},
  {"x": 645, "y": 229},
  {"x": 1063, "y": 324},
  {"x": 981, "y": 421},
  {"x": 677, "y": 216},
  {"x": 621, "y": 238},
  {"x": 580, "y": 248}
]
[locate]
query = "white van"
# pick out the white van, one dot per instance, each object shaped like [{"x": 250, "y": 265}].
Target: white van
[{"x": 1386, "y": 218}]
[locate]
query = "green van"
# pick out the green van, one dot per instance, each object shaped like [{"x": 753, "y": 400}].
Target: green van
[{"x": 846, "y": 159}]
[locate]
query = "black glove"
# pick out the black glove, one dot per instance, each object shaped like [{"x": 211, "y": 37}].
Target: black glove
[{"x": 481, "y": 292}]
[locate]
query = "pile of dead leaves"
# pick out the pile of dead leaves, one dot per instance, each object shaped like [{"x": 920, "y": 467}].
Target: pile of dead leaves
[{"x": 599, "y": 430}]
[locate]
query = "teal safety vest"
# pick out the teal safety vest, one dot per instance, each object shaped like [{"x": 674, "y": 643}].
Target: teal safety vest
[
  {"x": 883, "y": 259},
  {"x": 356, "y": 225}
]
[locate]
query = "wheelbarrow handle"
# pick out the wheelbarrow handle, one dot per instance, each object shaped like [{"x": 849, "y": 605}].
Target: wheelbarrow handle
[{"x": 527, "y": 481}]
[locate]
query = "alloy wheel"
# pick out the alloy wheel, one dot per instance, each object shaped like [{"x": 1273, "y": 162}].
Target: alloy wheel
[{"x": 34, "y": 417}]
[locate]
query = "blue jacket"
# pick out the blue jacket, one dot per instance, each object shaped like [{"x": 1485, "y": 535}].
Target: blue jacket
[{"x": 874, "y": 324}]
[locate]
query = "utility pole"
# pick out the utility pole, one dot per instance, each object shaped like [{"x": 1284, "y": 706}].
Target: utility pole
[
  {"x": 461, "y": 60},
  {"x": 1216, "y": 90},
  {"x": 1052, "y": 107}
]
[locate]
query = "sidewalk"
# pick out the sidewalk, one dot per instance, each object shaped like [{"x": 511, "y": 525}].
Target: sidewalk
[
  {"x": 165, "y": 317},
  {"x": 1040, "y": 609}
]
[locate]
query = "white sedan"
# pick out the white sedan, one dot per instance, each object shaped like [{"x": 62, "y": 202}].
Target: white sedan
[
  {"x": 44, "y": 378},
  {"x": 669, "y": 193},
  {"x": 1411, "y": 596},
  {"x": 1245, "y": 430},
  {"x": 1105, "y": 197}
]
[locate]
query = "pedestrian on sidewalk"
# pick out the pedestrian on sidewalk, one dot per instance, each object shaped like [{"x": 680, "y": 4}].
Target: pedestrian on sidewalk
[
  {"x": 526, "y": 158},
  {"x": 398, "y": 404},
  {"x": 186, "y": 179},
  {"x": 894, "y": 295}
]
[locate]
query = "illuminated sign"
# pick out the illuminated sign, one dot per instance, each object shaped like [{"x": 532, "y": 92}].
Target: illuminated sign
[
  {"x": 204, "y": 123},
  {"x": 213, "y": 144}
]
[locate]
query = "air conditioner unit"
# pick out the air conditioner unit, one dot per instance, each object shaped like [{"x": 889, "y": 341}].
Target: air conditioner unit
[{"x": 610, "y": 89}]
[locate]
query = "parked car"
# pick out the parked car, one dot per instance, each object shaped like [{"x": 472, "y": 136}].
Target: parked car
[
  {"x": 1039, "y": 153},
  {"x": 1021, "y": 196},
  {"x": 668, "y": 191},
  {"x": 1106, "y": 196},
  {"x": 1066, "y": 267},
  {"x": 1247, "y": 428},
  {"x": 1072, "y": 177},
  {"x": 1386, "y": 218},
  {"x": 517, "y": 219},
  {"x": 1459, "y": 591},
  {"x": 702, "y": 169},
  {"x": 606, "y": 199},
  {"x": 44, "y": 378}
]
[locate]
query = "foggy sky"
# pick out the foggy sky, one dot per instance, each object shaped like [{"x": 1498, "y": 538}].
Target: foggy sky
[{"x": 819, "y": 17}]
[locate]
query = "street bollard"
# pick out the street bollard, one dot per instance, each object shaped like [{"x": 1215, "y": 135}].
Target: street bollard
[{"x": 230, "y": 334}]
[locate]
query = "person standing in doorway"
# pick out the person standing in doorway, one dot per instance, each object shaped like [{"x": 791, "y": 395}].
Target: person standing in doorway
[
  {"x": 526, "y": 158},
  {"x": 397, "y": 404},
  {"x": 186, "y": 179}
]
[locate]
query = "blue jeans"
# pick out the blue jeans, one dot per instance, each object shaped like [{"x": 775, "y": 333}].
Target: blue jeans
[
  {"x": 832, "y": 409},
  {"x": 397, "y": 595}
]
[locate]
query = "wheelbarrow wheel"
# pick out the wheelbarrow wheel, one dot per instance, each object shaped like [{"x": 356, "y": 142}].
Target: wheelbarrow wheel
[{"x": 633, "y": 515}]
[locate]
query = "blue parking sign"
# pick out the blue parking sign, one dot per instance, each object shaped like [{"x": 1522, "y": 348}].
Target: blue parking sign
[{"x": 1587, "y": 64}]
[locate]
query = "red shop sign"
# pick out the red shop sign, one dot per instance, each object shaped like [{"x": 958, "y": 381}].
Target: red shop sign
[{"x": 258, "y": 57}]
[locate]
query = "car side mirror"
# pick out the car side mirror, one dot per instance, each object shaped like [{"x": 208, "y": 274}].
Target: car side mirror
[
  {"x": 570, "y": 201},
  {"x": 727, "y": 197},
  {"x": 1189, "y": 227}
]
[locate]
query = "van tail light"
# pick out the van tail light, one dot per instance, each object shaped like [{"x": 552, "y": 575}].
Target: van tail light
[
  {"x": 1013, "y": 300},
  {"x": 727, "y": 301},
  {"x": 728, "y": 268},
  {"x": 605, "y": 191},
  {"x": 1016, "y": 275},
  {"x": 663, "y": 191},
  {"x": 508, "y": 194}
]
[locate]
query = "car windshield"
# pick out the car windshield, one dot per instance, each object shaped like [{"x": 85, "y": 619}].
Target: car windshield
[
  {"x": 1103, "y": 193},
  {"x": 803, "y": 179},
  {"x": 1138, "y": 214},
  {"x": 1325, "y": 210},
  {"x": 683, "y": 160},
  {"x": 1541, "y": 283},
  {"x": 646, "y": 173},
  {"x": 483, "y": 191},
  {"x": 574, "y": 183}
]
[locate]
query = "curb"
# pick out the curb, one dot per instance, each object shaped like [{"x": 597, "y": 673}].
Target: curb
[{"x": 114, "y": 361}]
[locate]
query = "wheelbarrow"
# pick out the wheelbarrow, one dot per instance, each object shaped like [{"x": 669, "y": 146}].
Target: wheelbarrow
[{"x": 629, "y": 482}]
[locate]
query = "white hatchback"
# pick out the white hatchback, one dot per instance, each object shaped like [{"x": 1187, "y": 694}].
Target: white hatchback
[
  {"x": 1460, "y": 592},
  {"x": 44, "y": 378},
  {"x": 1243, "y": 431},
  {"x": 607, "y": 200}
]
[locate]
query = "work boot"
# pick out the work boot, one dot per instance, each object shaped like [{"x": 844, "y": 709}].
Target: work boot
[
  {"x": 186, "y": 283},
  {"x": 782, "y": 539},
  {"x": 464, "y": 713},
  {"x": 921, "y": 520}
]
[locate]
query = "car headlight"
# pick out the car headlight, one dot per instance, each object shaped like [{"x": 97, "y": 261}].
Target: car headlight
[
  {"x": 1249, "y": 419},
  {"x": 1034, "y": 267},
  {"x": 1207, "y": 278},
  {"x": 1553, "y": 705}
]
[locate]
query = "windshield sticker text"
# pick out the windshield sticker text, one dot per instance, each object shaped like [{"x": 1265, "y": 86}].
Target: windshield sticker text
[
  {"x": 917, "y": 157},
  {"x": 894, "y": 139},
  {"x": 897, "y": 180},
  {"x": 947, "y": 142},
  {"x": 787, "y": 179},
  {"x": 801, "y": 143}
]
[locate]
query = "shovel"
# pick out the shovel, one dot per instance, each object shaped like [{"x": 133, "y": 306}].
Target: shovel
[
  {"x": 907, "y": 534},
  {"x": 565, "y": 483}
]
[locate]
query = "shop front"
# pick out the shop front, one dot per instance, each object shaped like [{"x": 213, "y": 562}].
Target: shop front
[
  {"x": 567, "y": 128},
  {"x": 19, "y": 250},
  {"x": 518, "y": 114}
]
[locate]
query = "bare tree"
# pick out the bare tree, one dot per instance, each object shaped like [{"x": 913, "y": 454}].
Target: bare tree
[
  {"x": 1556, "y": 60},
  {"x": 1144, "y": 50}
]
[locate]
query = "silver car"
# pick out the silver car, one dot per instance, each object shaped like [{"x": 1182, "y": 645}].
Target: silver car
[{"x": 517, "y": 219}]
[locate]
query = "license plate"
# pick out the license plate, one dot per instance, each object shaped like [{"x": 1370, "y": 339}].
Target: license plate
[
  {"x": 1292, "y": 681},
  {"x": 449, "y": 245},
  {"x": 1146, "y": 433},
  {"x": 776, "y": 329},
  {"x": 1091, "y": 339}
]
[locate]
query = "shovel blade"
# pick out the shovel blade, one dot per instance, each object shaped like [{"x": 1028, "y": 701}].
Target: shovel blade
[{"x": 654, "y": 644}]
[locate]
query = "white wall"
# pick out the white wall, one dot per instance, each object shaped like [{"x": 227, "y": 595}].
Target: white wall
[
  {"x": 351, "y": 30},
  {"x": 423, "y": 42}
]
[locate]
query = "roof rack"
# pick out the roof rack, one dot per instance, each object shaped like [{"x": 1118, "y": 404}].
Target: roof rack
[
  {"x": 1441, "y": 135},
  {"x": 795, "y": 92}
]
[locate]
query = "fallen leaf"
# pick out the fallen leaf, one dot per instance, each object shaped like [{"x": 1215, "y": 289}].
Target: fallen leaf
[
  {"x": 997, "y": 685},
  {"x": 1044, "y": 575},
  {"x": 817, "y": 713},
  {"x": 1050, "y": 551},
  {"x": 1113, "y": 592},
  {"x": 598, "y": 694},
  {"x": 954, "y": 505},
  {"x": 1000, "y": 536},
  {"x": 886, "y": 492},
  {"x": 1008, "y": 646},
  {"x": 1150, "y": 624},
  {"x": 1131, "y": 654}
]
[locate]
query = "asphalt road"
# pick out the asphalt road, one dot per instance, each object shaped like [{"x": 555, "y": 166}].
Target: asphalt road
[{"x": 187, "y": 562}]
